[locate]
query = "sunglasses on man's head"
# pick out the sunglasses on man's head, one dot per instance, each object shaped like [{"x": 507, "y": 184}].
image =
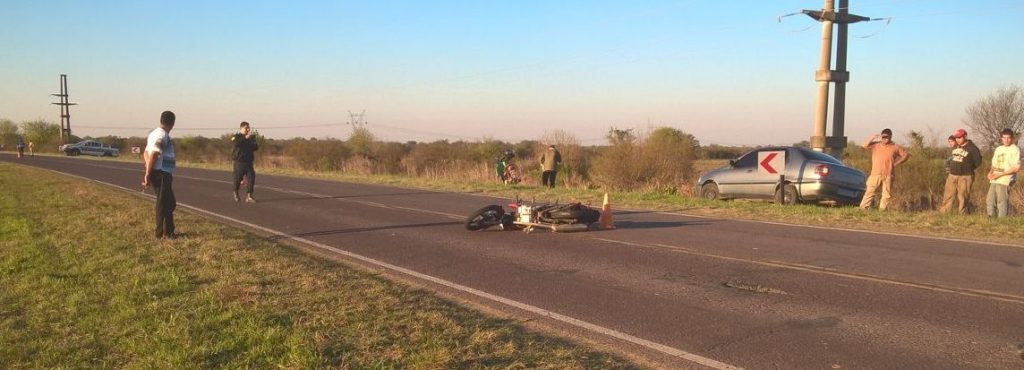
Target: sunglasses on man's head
[{"x": 885, "y": 136}]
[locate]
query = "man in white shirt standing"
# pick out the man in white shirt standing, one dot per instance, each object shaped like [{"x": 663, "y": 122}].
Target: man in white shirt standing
[
  {"x": 159, "y": 160},
  {"x": 1005, "y": 164}
]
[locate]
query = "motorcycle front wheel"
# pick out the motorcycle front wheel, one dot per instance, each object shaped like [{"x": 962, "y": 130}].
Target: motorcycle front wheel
[{"x": 485, "y": 217}]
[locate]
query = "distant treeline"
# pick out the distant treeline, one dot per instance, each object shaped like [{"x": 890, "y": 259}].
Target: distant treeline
[{"x": 660, "y": 160}]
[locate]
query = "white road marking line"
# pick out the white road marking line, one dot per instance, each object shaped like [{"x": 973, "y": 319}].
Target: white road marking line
[
  {"x": 977, "y": 293},
  {"x": 714, "y": 364}
]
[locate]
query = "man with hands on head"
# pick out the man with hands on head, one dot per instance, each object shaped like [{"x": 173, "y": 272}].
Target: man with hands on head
[{"x": 885, "y": 156}]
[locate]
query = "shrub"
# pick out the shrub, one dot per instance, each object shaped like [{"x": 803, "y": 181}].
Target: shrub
[
  {"x": 318, "y": 155},
  {"x": 43, "y": 135},
  {"x": 360, "y": 143},
  {"x": 389, "y": 156},
  {"x": 442, "y": 159},
  {"x": 662, "y": 161}
]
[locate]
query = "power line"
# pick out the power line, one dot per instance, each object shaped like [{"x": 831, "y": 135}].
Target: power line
[{"x": 212, "y": 128}]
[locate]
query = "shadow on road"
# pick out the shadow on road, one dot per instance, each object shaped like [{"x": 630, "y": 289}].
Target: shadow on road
[
  {"x": 657, "y": 224},
  {"x": 362, "y": 229},
  {"x": 265, "y": 200}
]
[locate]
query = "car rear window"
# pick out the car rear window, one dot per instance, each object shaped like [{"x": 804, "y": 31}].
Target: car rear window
[{"x": 819, "y": 156}]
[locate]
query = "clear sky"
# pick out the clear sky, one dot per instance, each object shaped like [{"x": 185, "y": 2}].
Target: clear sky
[{"x": 726, "y": 71}]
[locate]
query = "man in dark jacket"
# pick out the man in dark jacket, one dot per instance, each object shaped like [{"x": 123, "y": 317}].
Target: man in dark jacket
[
  {"x": 242, "y": 154},
  {"x": 964, "y": 159},
  {"x": 549, "y": 162}
]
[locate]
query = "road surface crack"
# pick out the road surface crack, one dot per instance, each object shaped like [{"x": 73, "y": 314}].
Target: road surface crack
[{"x": 756, "y": 288}]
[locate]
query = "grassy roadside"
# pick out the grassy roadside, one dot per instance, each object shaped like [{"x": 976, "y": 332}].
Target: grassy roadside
[
  {"x": 84, "y": 285},
  {"x": 929, "y": 223}
]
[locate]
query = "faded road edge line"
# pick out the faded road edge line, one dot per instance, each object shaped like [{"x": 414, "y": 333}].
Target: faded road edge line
[{"x": 523, "y": 306}]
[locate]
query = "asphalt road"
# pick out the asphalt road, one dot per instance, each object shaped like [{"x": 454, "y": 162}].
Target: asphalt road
[{"x": 673, "y": 290}]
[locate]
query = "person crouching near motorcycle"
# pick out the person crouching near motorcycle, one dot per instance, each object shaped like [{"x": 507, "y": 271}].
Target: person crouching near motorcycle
[{"x": 502, "y": 165}]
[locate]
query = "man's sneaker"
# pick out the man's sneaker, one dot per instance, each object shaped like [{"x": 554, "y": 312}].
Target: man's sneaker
[
  {"x": 249, "y": 198},
  {"x": 236, "y": 196}
]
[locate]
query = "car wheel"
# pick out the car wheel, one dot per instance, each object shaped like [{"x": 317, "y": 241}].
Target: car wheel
[
  {"x": 75, "y": 152},
  {"x": 789, "y": 195},
  {"x": 710, "y": 191}
]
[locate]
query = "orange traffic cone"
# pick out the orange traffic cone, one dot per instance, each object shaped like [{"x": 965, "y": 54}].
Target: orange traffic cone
[{"x": 607, "y": 223}]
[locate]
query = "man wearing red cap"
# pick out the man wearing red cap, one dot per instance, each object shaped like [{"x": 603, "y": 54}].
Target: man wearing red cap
[{"x": 963, "y": 161}]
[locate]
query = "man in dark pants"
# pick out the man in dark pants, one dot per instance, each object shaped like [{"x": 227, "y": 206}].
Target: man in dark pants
[
  {"x": 242, "y": 154},
  {"x": 549, "y": 162},
  {"x": 159, "y": 160}
]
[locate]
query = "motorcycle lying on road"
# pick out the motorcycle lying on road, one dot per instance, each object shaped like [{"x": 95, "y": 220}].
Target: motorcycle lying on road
[{"x": 555, "y": 217}]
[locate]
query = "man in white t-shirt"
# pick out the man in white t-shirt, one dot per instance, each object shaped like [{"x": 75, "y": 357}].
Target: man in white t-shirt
[
  {"x": 1005, "y": 164},
  {"x": 159, "y": 160}
]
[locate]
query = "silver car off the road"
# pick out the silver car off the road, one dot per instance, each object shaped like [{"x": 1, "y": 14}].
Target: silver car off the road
[{"x": 810, "y": 177}]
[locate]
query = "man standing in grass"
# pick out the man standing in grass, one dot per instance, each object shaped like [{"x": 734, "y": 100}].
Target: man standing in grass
[
  {"x": 549, "y": 162},
  {"x": 885, "y": 156},
  {"x": 159, "y": 161},
  {"x": 1005, "y": 163},
  {"x": 951, "y": 144},
  {"x": 243, "y": 156},
  {"x": 963, "y": 161}
]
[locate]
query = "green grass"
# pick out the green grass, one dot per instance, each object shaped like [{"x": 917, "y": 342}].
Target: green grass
[
  {"x": 927, "y": 223},
  {"x": 85, "y": 285}
]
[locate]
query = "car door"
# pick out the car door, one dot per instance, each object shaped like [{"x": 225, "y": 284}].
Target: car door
[
  {"x": 93, "y": 148},
  {"x": 735, "y": 181},
  {"x": 756, "y": 183},
  {"x": 751, "y": 182}
]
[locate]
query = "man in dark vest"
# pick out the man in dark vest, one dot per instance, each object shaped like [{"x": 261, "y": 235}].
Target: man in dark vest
[{"x": 242, "y": 155}]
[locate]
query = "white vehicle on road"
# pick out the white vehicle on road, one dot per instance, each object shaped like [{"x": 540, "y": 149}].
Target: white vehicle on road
[{"x": 90, "y": 147}]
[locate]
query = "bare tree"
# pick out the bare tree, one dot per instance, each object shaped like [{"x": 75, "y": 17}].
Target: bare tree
[{"x": 993, "y": 113}]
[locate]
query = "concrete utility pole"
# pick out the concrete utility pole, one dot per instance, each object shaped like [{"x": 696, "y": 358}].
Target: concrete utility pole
[
  {"x": 65, "y": 110},
  {"x": 824, "y": 75}
]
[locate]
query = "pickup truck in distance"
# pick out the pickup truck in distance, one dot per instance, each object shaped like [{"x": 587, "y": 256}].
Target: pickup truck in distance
[{"x": 90, "y": 147}]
